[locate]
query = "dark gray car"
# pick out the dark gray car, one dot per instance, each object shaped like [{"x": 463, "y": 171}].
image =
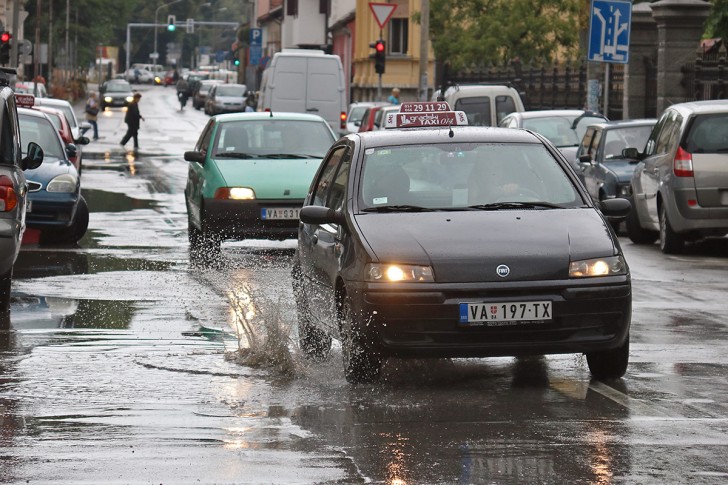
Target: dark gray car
[{"x": 680, "y": 186}]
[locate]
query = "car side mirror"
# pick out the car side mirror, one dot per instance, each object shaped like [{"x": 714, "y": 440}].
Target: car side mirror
[
  {"x": 617, "y": 208},
  {"x": 193, "y": 156},
  {"x": 34, "y": 157},
  {"x": 630, "y": 153},
  {"x": 585, "y": 159},
  {"x": 83, "y": 140},
  {"x": 71, "y": 150},
  {"x": 84, "y": 126},
  {"x": 357, "y": 123},
  {"x": 315, "y": 214}
]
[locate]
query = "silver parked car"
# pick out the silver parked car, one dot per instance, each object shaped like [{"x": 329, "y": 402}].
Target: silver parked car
[{"x": 680, "y": 186}]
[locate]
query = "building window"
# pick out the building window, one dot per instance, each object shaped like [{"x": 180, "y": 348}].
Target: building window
[{"x": 398, "y": 36}]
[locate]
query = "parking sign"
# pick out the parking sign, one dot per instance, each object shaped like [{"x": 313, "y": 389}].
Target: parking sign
[{"x": 609, "y": 31}]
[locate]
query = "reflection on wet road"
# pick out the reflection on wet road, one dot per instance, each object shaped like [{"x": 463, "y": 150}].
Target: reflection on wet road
[{"x": 117, "y": 366}]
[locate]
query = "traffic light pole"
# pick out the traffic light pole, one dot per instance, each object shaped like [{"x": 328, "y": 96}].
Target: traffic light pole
[{"x": 379, "y": 84}]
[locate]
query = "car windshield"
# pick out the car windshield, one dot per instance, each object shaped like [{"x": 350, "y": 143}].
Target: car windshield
[
  {"x": 234, "y": 91},
  {"x": 477, "y": 176},
  {"x": 42, "y": 132},
  {"x": 356, "y": 114},
  {"x": 118, "y": 88},
  {"x": 274, "y": 138},
  {"x": 617, "y": 139},
  {"x": 558, "y": 130}
]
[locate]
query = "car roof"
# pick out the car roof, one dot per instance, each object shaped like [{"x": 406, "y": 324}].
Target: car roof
[
  {"x": 265, "y": 115},
  {"x": 625, "y": 123},
  {"x": 34, "y": 113},
  {"x": 53, "y": 102},
  {"x": 429, "y": 136},
  {"x": 698, "y": 107},
  {"x": 545, "y": 113}
]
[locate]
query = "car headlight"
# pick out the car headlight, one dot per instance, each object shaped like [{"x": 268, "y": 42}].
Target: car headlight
[
  {"x": 613, "y": 265},
  {"x": 63, "y": 183},
  {"x": 398, "y": 273},
  {"x": 129, "y": 99},
  {"x": 235, "y": 193},
  {"x": 108, "y": 99},
  {"x": 625, "y": 190}
]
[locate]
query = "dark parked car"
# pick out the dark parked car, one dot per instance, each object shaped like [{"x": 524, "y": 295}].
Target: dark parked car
[
  {"x": 202, "y": 88},
  {"x": 457, "y": 241}
]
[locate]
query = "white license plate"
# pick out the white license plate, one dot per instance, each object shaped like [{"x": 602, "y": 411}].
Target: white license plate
[
  {"x": 279, "y": 213},
  {"x": 29, "y": 206},
  {"x": 505, "y": 313}
]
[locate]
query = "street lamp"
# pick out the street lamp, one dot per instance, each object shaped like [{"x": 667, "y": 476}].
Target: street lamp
[{"x": 156, "y": 14}]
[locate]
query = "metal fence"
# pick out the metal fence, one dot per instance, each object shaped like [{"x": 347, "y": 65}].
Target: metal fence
[{"x": 707, "y": 76}]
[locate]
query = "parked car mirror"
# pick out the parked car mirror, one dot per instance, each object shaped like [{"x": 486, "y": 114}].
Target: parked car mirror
[
  {"x": 84, "y": 126},
  {"x": 193, "y": 156},
  {"x": 314, "y": 214},
  {"x": 34, "y": 157},
  {"x": 71, "y": 150},
  {"x": 617, "y": 208},
  {"x": 585, "y": 159},
  {"x": 83, "y": 140},
  {"x": 630, "y": 153}
]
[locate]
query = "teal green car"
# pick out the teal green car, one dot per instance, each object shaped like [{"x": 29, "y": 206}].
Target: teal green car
[{"x": 249, "y": 174}]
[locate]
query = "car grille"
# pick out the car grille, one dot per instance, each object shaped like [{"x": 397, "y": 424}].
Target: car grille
[{"x": 34, "y": 186}]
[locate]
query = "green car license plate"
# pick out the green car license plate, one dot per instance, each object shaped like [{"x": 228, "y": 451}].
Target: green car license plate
[
  {"x": 279, "y": 213},
  {"x": 505, "y": 313}
]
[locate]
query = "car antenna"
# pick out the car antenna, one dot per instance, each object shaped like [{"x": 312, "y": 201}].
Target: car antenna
[
  {"x": 271, "y": 114},
  {"x": 451, "y": 133}
]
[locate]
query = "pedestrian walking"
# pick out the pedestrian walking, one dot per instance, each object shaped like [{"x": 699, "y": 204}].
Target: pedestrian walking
[
  {"x": 92, "y": 111},
  {"x": 132, "y": 119},
  {"x": 394, "y": 97}
]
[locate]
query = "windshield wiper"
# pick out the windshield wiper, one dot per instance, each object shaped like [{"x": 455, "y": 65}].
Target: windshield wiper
[
  {"x": 235, "y": 155},
  {"x": 289, "y": 155},
  {"x": 398, "y": 208},
  {"x": 516, "y": 205}
]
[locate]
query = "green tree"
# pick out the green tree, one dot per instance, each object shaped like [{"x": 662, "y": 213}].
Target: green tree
[
  {"x": 717, "y": 23},
  {"x": 467, "y": 32}
]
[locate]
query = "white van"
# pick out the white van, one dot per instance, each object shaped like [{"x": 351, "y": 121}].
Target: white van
[
  {"x": 305, "y": 81},
  {"x": 484, "y": 104}
]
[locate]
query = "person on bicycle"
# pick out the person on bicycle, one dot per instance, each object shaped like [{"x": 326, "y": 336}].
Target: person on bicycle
[{"x": 182, "y": 92}]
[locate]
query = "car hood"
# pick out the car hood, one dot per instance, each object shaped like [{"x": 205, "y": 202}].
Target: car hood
[
  {"x": 468, "y": 246},
  {"x": 51, "y": 167},
  {"x": 623, "y": 169},
  {"x": 271, "y": 179}
]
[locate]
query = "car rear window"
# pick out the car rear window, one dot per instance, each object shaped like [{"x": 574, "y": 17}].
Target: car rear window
[
  {"x": 274, "y": 137},
  {"x": 42, "y": 132},
  {"x": 451, "y": 176},
  {"x": 708, "y": 134},
  {"x": 477, "y": 109}
]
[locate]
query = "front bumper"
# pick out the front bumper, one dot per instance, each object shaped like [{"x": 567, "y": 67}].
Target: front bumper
[
  {"x": 423, "y": 320},
  {"x": 235, "y": 219},
  {"x": 52, "y": 211}
]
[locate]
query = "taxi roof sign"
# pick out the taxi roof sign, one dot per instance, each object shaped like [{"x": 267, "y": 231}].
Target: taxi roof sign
[
  {"x": 24, "y": 100},
  {"x": 427, "y": 119},
  {"x": 424, "y": 107}
]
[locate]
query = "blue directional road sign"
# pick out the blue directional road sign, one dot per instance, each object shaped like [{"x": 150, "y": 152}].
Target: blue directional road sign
[{"x": 609, "y": 31}]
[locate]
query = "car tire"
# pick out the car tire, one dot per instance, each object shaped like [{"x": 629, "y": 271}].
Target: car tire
[
  {"x": 314, "y": 342},
  {"x": 609, "y": 364},
  {"x": 670, "y": 241},
  {"x": 73, "y": 233},
  {"x": 5, "y": 283},
  {"x": 362, "y": 360},
  {"x": 635, "y": 231}
]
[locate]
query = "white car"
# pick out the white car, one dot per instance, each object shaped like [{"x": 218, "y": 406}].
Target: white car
[{"x": 139, "y": 76}]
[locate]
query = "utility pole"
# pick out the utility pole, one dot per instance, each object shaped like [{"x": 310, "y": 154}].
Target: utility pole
[
  {"x": 14, "y": 45},
  {"x": 424, "y": 55}
]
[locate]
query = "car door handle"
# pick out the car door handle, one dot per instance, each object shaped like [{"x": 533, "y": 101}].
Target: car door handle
[
  {"x": 314, "y": 110},
  {"x": 314, "y": 238}
]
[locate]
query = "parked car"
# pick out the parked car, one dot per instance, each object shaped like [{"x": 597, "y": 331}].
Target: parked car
[
  {"x": 680, "y": 185},
  {"x": 193, "y": 78},
  {"x": 115, "y": 93},
  {"x": 368, "y": 120},
  {"x": 226, "y": 98},
  {"x": 248, "y": 175},
  {"x": 201, "y": 90},
  {"x": 14, "y": 162},
  {"x": 60, "y": 121},
  {"x": 607, "y": 170},
  {"x": 457, "y": 241},
  {"x": 77, "y": 128},
  {"x": 564, "y": 128},
  {"x": 56, "y": 207},
  {"x": 139, "y": 76},
  {"x": 483, "y": 104},
  {"x": 29, "y": 87},
  {"x": 356, "y": 113},
  {"x": 380, "y": 117}
]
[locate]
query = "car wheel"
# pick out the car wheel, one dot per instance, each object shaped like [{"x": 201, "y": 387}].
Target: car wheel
[
  {"x": 74, "y": 232},
  {"x": 5, "y": 281},
  {"x": 635, "y": 231},
  {"x": 362, "y": 361},
  {"x": 609, "y": 364},
  {"x": 670, "y": 241},
  {"x": 314, "y": 342}
]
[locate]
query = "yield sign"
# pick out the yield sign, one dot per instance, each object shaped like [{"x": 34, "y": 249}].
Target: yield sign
[{"x": 382, "y": 12}]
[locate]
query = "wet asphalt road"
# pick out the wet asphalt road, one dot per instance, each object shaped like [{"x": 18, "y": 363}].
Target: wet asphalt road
[{"x": 117, "y": 365}]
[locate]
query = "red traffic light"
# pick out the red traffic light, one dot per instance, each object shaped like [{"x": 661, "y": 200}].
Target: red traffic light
[
  {"x": 5, "y": 37},
  {"x": 379, "y": 46}
]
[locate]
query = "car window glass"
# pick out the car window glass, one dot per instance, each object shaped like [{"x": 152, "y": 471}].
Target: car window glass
[
  {"x": 338, "y": 186},
  {"x": 618, "y": 139},
  {"x": 323, "y": 185},
  {"x": 356, "y": 114},
  {"x": 204, "y": 140},
  {"x": 668, "y": 130},
  {"x": 448, "y": 176},
  {"x": 595, "y": 144},
  {"x": 503, "y": 106},
  {"x": 476, "y": 108},
  {"x": 6, "y": 135},
  {"x": 556, "y": 128},
  {"x": 42, "y": 132},
  {"x": 651, "y": 144},
  {"x": 272, "y": 136},
  {"x": 708, "y": 134},
  {"x": 586, "y": 142}
]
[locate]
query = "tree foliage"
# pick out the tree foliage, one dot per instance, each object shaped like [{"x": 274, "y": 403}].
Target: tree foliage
[
  {"x": 717, "y": 23},
  {"x": 469, "y": 32}
]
